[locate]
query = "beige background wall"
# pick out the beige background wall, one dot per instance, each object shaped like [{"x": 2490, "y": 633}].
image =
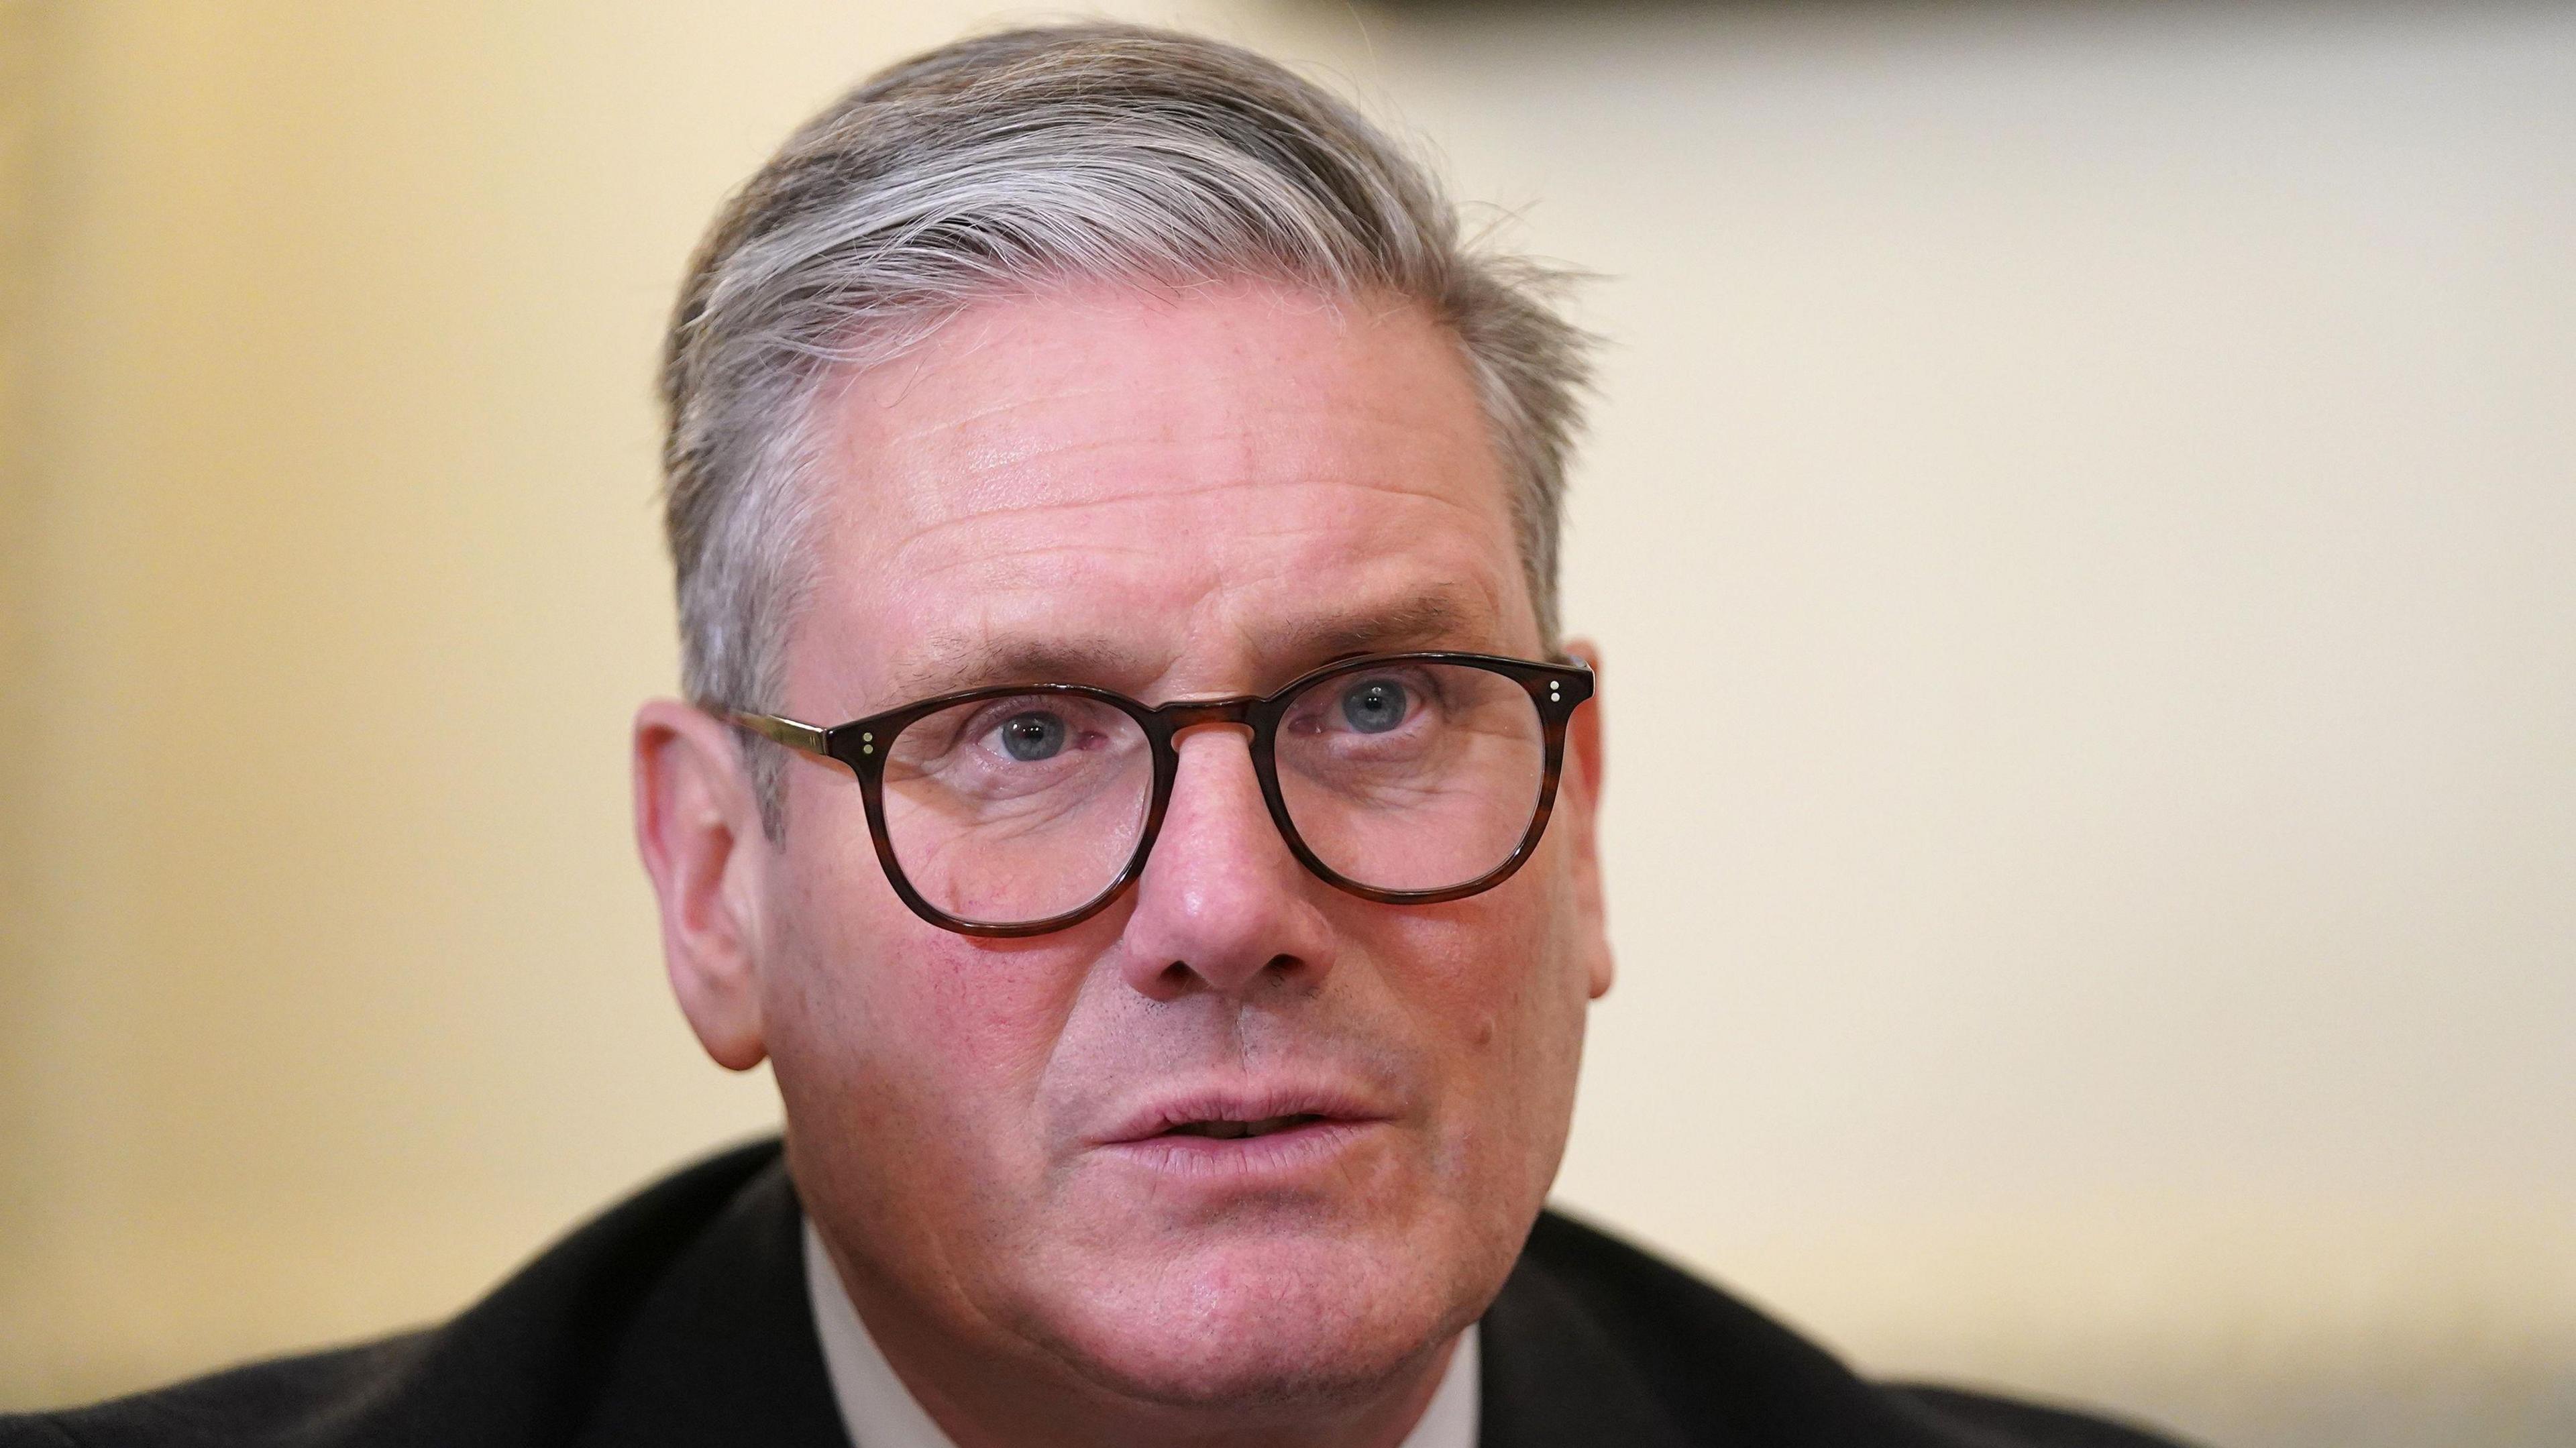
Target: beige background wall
[{"x": 2082, "y": 520}]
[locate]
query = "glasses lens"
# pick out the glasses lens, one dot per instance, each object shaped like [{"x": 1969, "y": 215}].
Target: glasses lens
[
  {"x": 1412, "y": 776},
  {"x": 1012, "y": 810}
]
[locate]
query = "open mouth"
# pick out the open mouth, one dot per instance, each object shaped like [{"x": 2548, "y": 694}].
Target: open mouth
[
  {"x": 1234, "y": 1126},
  {"x": 1235, "y": 1130}
]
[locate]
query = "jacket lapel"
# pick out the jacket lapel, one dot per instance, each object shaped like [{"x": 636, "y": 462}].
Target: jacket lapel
[
  {"x": 724, "y": 1350},
  {"x": 1553, "y": 1379}
]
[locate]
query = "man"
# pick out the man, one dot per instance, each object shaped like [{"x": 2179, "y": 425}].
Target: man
[{"x": 1175, "y": 969}]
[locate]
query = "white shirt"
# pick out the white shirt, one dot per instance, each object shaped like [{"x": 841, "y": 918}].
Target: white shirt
[{"x": 880, "y": 1412}]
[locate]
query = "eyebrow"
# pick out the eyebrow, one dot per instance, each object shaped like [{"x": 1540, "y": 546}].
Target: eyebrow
[
  {"x": 1435, "y": 617},
  {"x": 950, "y": 662},
  {"x": 954, "y": 661}
]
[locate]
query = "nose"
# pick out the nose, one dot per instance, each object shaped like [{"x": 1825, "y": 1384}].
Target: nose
[{"x": 1222, "y": 906}]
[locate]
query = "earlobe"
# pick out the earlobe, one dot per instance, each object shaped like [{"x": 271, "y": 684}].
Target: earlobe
[
  {"x": 697, "y": 826},
  {"x": 1581, "y": 791}
]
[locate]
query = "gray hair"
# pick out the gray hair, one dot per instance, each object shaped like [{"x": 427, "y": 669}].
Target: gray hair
[{"x": 999, "y": 165}]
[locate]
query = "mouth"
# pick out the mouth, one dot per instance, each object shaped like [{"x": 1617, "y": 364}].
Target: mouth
[
  {"x": 1297, "y": 1152},
  {"x": 1227, "y": 1130},
  {"x": 1243, "y": 1127}
]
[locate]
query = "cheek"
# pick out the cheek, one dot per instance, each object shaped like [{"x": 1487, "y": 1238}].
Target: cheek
[
  {"x": 860, "y": 991},
  {"x": 1502, "y": 964},
  {"x": 1498, "y": 994},
  {"x": 908, "y": 1057}
]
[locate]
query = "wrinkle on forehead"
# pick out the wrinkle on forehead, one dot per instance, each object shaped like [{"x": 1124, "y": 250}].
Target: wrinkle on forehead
[
  {"x": 1193, "y": 476},
  {"x": 1260, "y": 604},
  {"x": 1231, "y": 524},
  {"x": 1042, "y": 463},
  {"x": 944, "y": 660}
]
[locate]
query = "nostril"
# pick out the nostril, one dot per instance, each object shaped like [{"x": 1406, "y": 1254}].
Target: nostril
[{"x": 1181, "y": 977}]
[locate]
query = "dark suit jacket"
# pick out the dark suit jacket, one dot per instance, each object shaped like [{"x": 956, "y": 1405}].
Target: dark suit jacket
[{"x": 680, "y": 1318}]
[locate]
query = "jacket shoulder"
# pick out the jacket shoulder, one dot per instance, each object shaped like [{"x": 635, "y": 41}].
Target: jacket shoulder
[
  {"x": 2024, "y": 1424},
  {"x": 1721, "y": 1371},
  {"x": 286, "y": 1402},
  {"x": 521, "y": 1367}
]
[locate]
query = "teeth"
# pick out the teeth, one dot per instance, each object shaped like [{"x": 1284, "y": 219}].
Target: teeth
[{"x": 1235, "y": 1130}]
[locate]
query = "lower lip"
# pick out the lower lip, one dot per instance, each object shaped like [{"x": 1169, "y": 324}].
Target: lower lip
[{"x": 1277, "y": 1154}]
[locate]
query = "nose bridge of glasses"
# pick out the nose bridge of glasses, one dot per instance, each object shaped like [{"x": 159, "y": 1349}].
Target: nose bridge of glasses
[
  {"x": 1183, "y": 715},
  {"x": 1234, "y": 776}
]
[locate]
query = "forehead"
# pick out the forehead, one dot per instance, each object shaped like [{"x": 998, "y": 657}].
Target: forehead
[{"x": 1205, "y": 489}]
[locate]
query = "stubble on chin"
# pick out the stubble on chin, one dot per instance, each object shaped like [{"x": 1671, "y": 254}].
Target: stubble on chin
[{"x": 1282, "y": 1329}]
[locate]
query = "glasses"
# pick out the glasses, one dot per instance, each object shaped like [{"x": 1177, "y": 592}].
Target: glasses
[{"x": 1401, "y": 778}]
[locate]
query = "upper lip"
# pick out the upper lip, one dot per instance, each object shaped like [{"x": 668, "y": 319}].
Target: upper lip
[{"x": 1179, "y": 1106}]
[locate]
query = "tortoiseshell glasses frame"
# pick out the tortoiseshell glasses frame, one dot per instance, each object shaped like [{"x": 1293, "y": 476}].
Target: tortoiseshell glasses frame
[{"x": 1554, "y": 690}]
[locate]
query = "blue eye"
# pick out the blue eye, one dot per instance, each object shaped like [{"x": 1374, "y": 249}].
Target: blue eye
[
  {"x": 1031, "y": 737},
  {"x": 1375, "y": 706}
]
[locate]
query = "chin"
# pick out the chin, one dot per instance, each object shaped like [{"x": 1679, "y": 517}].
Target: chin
[{"x": 1239, "y": 1320}]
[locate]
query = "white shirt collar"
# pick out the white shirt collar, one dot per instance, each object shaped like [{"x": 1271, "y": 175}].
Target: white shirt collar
[{"x": 880, "y": 1412}]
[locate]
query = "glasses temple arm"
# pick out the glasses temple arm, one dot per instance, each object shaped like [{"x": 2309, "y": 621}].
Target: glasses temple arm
[{"x": 804, "y": 738}]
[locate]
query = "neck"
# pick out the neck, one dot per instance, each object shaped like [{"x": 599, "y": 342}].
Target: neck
[{"x": 984, "y": 1398}]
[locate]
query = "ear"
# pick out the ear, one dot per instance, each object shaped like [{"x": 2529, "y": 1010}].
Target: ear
[
  {"x": 1578, "y": 803},
  {"x": 697, "y": 824}
]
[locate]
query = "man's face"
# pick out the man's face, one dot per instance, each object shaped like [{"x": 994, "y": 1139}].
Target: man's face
[{"x": 1187, "y": 494}]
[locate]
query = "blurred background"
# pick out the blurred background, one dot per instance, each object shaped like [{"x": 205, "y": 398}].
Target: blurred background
[{"x": 2081, "y": 520}]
